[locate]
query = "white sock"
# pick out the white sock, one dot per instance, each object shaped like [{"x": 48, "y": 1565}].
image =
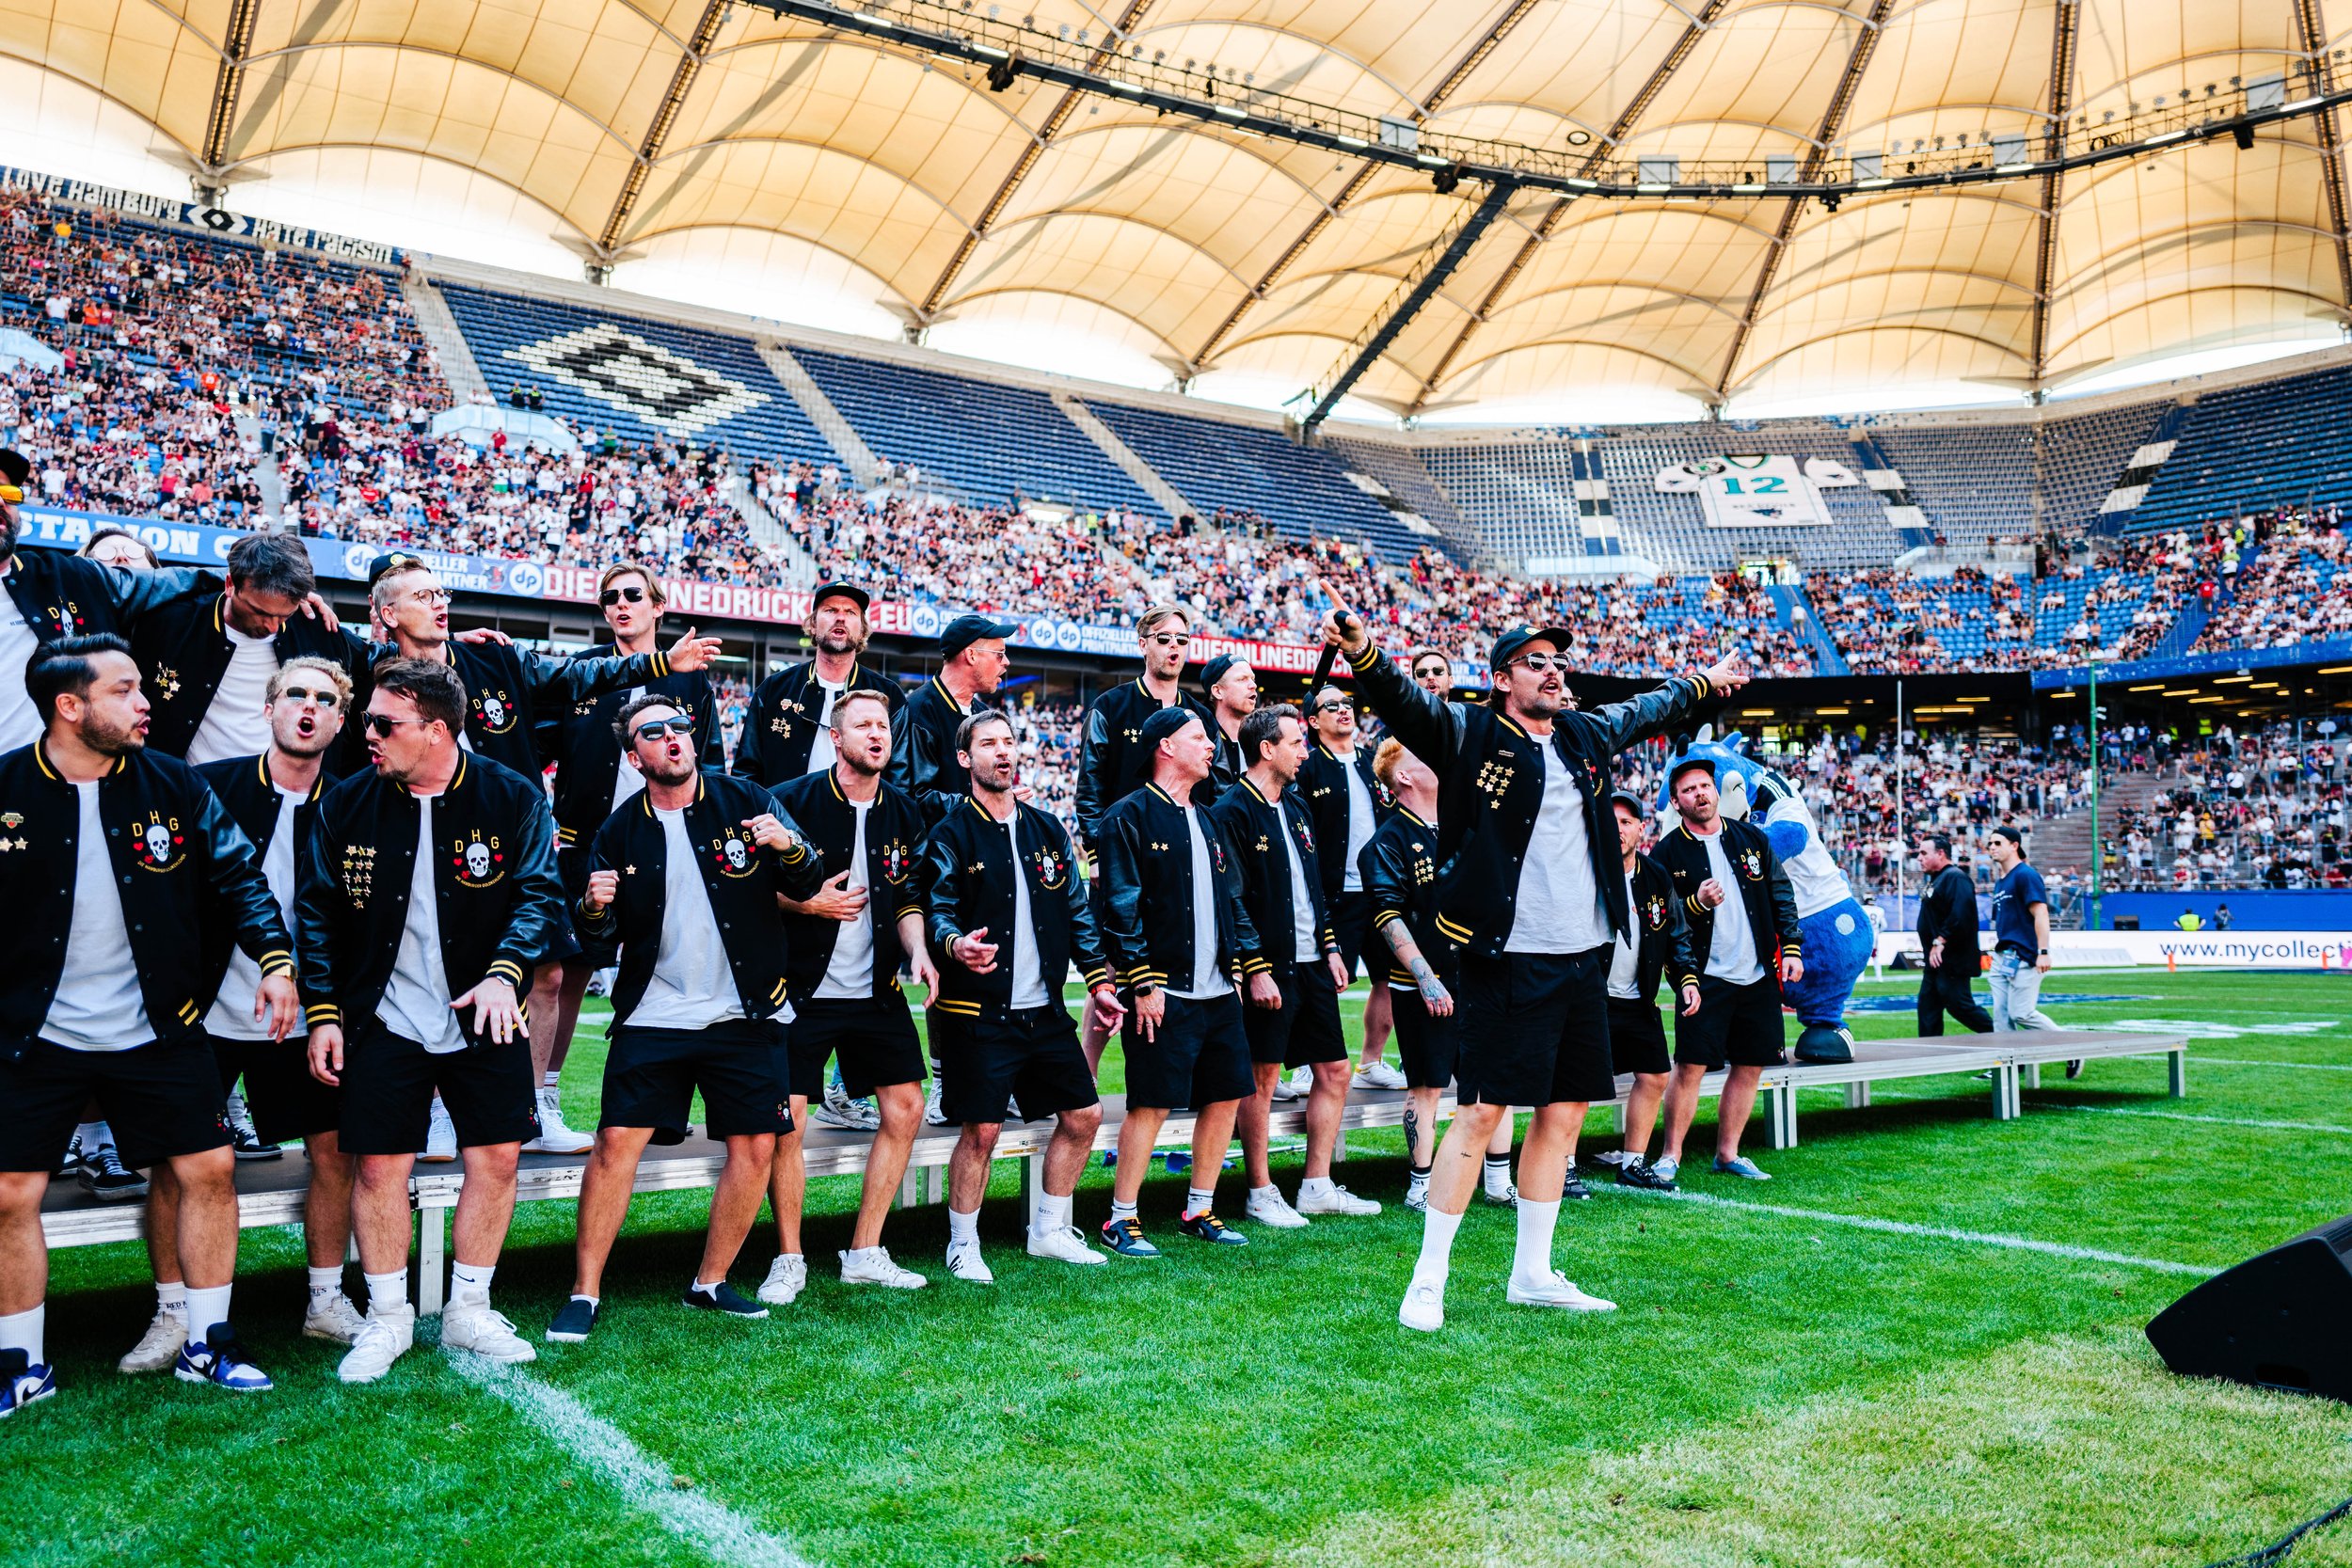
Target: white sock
[
  {"x": 172, "y": 1298},
  {"x": 1196, "y": 1199},
  {"x": 550, "y": 1079},
  {"x": 1269, "y": 1191},
  {"x": 208, "y": 1308},
  {"x": 592, "y": 1300},
  {"x": 471, "y": 1280},
  {"x": 963, "y": 1230},
  {"x": 1314, "y": 1186},
  {"x": 1497, "y": 1174},
  {"x": 388, "y": 1292},
  {"x": 1437, "y": 1247},
  {"x": 1053, "y": 1214},
  {"x": 1416, "y": 1182},
  {"x": 326, "y": 1286},
  {"x": 22, "y": 1331},
  {"x": 707, "y": 1286},
  {"x": 1122, "y": 1211},
  {"x": 90, "y": 1135},
  {"x": 1532, "y": 1262}
]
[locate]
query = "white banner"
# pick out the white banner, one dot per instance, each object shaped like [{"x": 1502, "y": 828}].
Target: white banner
[
  {"x": 1751, "y": 491},
  {"x": 2328, "y": 950}
]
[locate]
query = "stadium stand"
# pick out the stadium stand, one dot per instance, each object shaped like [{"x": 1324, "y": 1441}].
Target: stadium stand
[{"x": 2242, "y": 449}]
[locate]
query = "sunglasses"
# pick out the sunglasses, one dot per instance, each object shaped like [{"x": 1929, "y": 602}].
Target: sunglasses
[
  {"x": 11, "y": 494},
  {"x": 614, "y": 596},
  {"x": 1541, "y": 662},
  {"x": 1335, "y": 708},
  {"x": 655, "y": 729},
  {"x": 303, "y": 694},
  {"x": 1167, "y": 639},
  {"x": 382, "y": 724}
]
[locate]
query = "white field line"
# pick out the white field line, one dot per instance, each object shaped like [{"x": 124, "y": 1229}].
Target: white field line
[
  {"x": 2249, "y": 1061},
  {"x": 2257, "y": 1123},
  {"x": 1905, "y": 1227},
  {"x": 714, "y": 1528}
]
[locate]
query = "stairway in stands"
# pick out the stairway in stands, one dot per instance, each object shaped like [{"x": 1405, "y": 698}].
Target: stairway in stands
[
  {"x": 450, "y": 349},
  {"x": 863, "y": 465},
  {"x": 1827, "y": 660},
  {"x": 1118, "y": 452},
  {"x": 2063, "y": 843}
]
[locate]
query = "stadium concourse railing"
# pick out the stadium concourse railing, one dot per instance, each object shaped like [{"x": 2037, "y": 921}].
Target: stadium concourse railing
[{"x": 272, "y": 1194}]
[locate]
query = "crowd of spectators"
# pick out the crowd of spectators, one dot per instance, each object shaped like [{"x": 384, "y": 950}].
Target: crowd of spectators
[
  {"x": 2264, "y": 810},
  {"x": 2295, "y": 590}
]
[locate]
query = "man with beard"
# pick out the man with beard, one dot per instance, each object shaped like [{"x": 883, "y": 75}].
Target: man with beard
[
  {"x": 1009, "y": 915},
  {"x": 116, "y": 863},
  {"x": 410, "y": 986},
  {"x": 1528, "y": 886},
  {"x": 850, "y": 939},
  {"x": 272, "y": 799},
  {"x": 1232, "y": 689},
  {"x": 972, "y": 665},
  {"x": 590, "y": 784},
  {"x": 1113, "y": 762},
  {"x": 787, "y": 728},
  {"x": 682, "y": 884},
  {"x": 1293, "y": 1012},
  {"x": 1345, "y": 802}
]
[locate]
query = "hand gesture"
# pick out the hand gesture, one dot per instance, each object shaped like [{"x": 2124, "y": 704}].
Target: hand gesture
[
  {"x": 495, "y": 1011},
  {"x": 1343, "y": 629},
  {"x": 603, "y": 887},
  {"x": 278, "y": 1000},
  {"x": 1792, "y": 969},
  {"x": 768, "y": 830},
  {"x": 327, "y": 1053},
  {"x": 1728, "y": 674},
  {"x": 1150, "y": 1011},
  {"x": 836, "y": 899},
  {"x": 318, "y": 609},
  {"x": 1690, "y": 1001},
  {"x": 1264, "y": 993},
  {"x": 486, "y": 634},
  {"x": 973, "y": 951},
  {"x": 1109, "y": 1012},
  {"x": 691, "y": 652},
  {"x": 1710, "y": 894}
]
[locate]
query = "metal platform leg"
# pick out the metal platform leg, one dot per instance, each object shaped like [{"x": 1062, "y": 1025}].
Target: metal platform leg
[
  {"x": 2177, "y": 1067},
  {"x": 1780, "y": 1108},
  {"x": 1858, "y": 1097},
  {"x": 1339, "y": 1148},
  {"x": 432, "y": 1259},
  {"x": 2008, "y": 1104},
  {"x": 2029, "y": 1075},
  {"x": 1033, "y": 1185},
  {"x": 935, "y": 1184},
  {"x": 911, "y": 1187}
]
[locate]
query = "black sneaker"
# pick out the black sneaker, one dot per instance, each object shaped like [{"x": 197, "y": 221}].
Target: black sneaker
[
  {"x": 1207, "y": 1227},
  {"x": 108, "y": 1179},
  {"x": 571, "y": 1325},
  {"x": 1574, "y": 1190},
  {"x": 725, "y": 1301},
  {"x": 248, "y": 1143},
  {"x": 1637, "y": 1173},
  {"x": 70, "y": 1163},
  {"x": 2075, "y": 1067}
]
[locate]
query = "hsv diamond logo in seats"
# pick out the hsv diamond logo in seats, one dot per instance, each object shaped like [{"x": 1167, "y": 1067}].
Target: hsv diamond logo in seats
[{"x": 657, "y": 385}]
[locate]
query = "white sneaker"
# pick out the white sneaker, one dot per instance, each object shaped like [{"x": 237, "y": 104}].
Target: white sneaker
[
  {"x": 1271, "y": 1209},
  {"x": 1289, "y": 1090},
  {"x": 788, "y": 1277},
  {"x": 1614, "y": 1159},
  {"x": 1064, "y": 1244},
  {"x": 554, "y": 1136},
  {"x": 932, "y": 1115},
  {"x": 1335, "y": 1199},
  {"x": 964, "y": 1263},
  {"x": 384, "y": 1338},
  {"x": 472, "y": 1326},
  {"x": 839, "y": 1110},
  {"x": 341, "y": 1321},
  {"x": 873, "y": 1266},
  {"x": 1301, "y": 1083},
  {"x": 159, "y": 1347},
  {"x": 440, "y": 1136},
  {"x": 1378, "y": 1075},
  {"x": 1423, "y": 1307},
  {"x": 1557, "y": 1290}
]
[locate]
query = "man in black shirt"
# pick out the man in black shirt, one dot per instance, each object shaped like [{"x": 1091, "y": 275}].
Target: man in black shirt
[
  {"x": 972, "y": 665},
  {"x": 1948, "y": 941},
  {"x": 786, "y": 731},
  {"x": 1233, "y": 690},
  {"x": 1113, "y": 762},
  {"x": 1345, "y": 802}
]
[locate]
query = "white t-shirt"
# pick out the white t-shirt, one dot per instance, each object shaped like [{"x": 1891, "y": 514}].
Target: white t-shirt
[
  {"x": 1304, "y": 943},
  {"x": 851, "y": 974},
  {"x": 692, "y": 987},
  {"x": 1029, "y": 972},
  {"x": 20, "y": 721},
  {"x": 98, "y": 1006},
  {"x": 231, "y": 1017},
  {"x": 233, "y": 726},
  {"x": 820, "y": 752},
  {"x": 1731, "y": 950},
  {"x": 1360, "y": 823},
  {"x": 1559, "y": 903},
  {"x": 417, "y": 998},
  {"x": 626, "y": 779},
  {"x": 1207, "y": 981},
  {"x": 1624, "y": 959}
]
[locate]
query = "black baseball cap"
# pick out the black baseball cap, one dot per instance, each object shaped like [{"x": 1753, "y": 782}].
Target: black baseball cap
[
  {"x": 964, "y": 630},
  {"x": 1629, "y": 800},
  {"x": 1166, "y": 722},
  {"x": 394, "y": 561},
  {"x": 1684, "y": 764},
  {"x": 2005, "y": 830},
  {"x": 850, "y": 591},
  {"x": 1217, "y": 668},
  {"x": 15, "y": 466},
  {"x": 1508, "y": 645}
]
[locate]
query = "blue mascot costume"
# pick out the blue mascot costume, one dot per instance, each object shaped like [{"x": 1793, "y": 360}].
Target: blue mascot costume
[{"x": 1838, "y": 937}]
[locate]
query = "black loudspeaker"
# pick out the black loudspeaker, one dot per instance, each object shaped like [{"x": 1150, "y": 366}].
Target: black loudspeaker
[{"x": 2276, "y": 1320}]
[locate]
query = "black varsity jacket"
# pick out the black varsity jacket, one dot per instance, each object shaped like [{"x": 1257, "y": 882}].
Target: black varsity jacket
[
  {"x": 1324, "y": 785},
  {"x": 1249, "y": 822},
  {"x": 1399, "y": 867},
  {"x": 509, "y": 690},
  {"x": 780, "y": 727},
  {"x": 176, "y": 855},
  {"x": 1112, "y": 762},
  {"x": 1491, "y": 787},
  {"x": 242, "y": 786},
  {"x": 1662, "y": 937},
  {"x": 969, "y": 868},
  {"x": 741, "y": 877},
  {"x": 923, "y": 749},
  {"x": 183, "y": 650},
  {"x": 1763, "y": 890},
  {"x": 62, "y": 596},
  {"x": 895, "y": 827},
  {"x": 498, "y": 897},
  {"x": 1226, "y": 766},
  {"x": 588, "y": 756},
  {"x": 1948, "y": 909},
  {"x": 1144, "y": 871}
]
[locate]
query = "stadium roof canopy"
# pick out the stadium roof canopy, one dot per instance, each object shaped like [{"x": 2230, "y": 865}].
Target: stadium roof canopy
[{"x": 720, "y": 151}]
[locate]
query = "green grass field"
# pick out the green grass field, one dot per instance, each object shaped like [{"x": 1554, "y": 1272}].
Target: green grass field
[{"x": 1778, "y": 1388}]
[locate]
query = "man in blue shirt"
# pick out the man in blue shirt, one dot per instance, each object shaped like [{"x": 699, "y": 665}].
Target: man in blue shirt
[{"x": 2021, "y": 937}]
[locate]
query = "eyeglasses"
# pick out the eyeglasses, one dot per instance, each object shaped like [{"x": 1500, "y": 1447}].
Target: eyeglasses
[
  {"x": 1168, "y": 639},
  {"x": 1541, "y": 662},
  {"x": 614, "y": 596},
  {"x": 655, "y": 729},
  {"x": 428, "y": 597},
  {"x": 383, "y": 724},
  {"x": 1335, "y": 708},
  {"x": 303, "y": 694}
]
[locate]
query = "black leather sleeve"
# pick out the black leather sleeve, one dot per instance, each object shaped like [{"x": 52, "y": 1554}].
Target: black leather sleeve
[
  {"x": 535, "y": 923},
  {"x": 1430, "y": 727},
  {"x": 135, "y": 593},
  {"x": 758, "y": 714},
  {"x": 943, "y": 891},
  {"x": 600, "y": 929},
  {"x": 1638, "y": 719},
  {"x": 797, "y": 872},
  {"x": 915, "y": 762},
  {"x": 576, "y": 680},
  {"x": 1388, "y": 880},
  {"x": 1247, "y": 949},
  {"x": 1682, "y": 957},
  {"x": 1094, "y": 763},
  {"x": 1784, "y": 897},
  {"x": 1086, "y": 941},
  {"x": 320, "y": 905},
  {"x": 240, "y": 889},
  {"x": 1119, "y": 885}
]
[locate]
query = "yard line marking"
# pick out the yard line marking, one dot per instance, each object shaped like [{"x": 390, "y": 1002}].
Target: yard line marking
[
  {"x": 721, "y": 1532},
  {"x": 1906, "y": 1227},
  {"x": 2183, "y": 1116},
  {"x": 2249, "y": 1061}
]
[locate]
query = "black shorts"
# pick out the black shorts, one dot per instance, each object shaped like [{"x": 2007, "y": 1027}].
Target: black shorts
[
  {"x": 1637, "y": 1040},
  {"x": 161, "y": 1099},
  {"x": 571, "y": 866},
  {"x": 1199, "y": 1055},
  {"x": 1428, "y": 1046},
  {"x": 873, "y": 1036},
  {"x": 1306, "y": 1027},
  {"x": 1735, "y": 1025},
  {"x": 741, "y": 1067},
  {"x": 1534, "y": 1029},
  {"x": 389, "y": 1082},
  {"x": 285, "y": 1101},
  {"x": 1351, "y": 927},
  {"x": 1001, "y": 1057}
]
